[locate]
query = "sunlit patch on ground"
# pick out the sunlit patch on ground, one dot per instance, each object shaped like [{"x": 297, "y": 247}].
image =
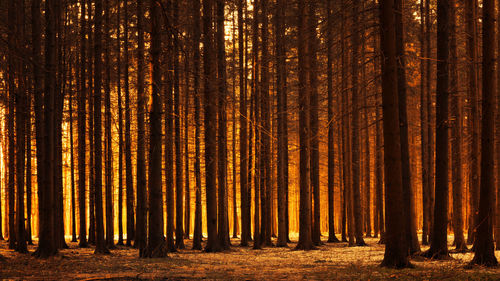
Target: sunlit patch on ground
[{"x": 329, "y": 262}]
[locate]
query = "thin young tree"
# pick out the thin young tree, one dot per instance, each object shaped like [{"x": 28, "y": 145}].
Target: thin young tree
[
  {"x": 395, "y": 251},
  {"x": 484, "y": 247}
]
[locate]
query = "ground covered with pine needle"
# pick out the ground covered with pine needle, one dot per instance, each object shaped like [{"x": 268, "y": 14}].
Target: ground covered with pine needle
[{"x": 329, "y": 262}]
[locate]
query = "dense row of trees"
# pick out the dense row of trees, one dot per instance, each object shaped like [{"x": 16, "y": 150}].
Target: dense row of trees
[{"x": 254, "y": 114}]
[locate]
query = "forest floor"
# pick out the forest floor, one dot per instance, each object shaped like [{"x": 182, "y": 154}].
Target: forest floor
[{"x": 329, "y": 262}]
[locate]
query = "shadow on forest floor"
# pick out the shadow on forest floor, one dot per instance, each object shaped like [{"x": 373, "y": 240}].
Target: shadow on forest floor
[{"x": 330, "y": 262}]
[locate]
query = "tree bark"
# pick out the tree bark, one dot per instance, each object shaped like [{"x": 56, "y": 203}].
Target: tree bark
[
  {"x": 395, "y": 250},
  {"x": 484, "y": 248}
]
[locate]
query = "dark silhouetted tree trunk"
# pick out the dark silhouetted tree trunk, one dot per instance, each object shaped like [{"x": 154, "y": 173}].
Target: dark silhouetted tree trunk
[
  {"x": 46, "y": 244},
  {"x": 101, "y": 247},
  {"x": 395, "y": 251},
  {"x": 210, "y": 122},
  {"x": 12, "y": 62},
  {"x": 157, "y": 247},
  {"x": 281, "y": 92},
  {"x": 179, "y": 192},
  {"x": 456, "y": 139},
  {"x": 129, "y": 182},
  {"x": 409, "y": 211},
  {"x": 120, "y": 126},
  {"x": 484, "y": 248},
  {"x": 244, "y": 190},
  {"x": 305, "y": 238},
  {"x": 141, "y": 213},
  {"x": 197, "y": 108},
  {"x": 312, "y": 40},
  {"x": 439, "y": 246},
  {"x": 473, "y": 95},
  {"x": 356, "y": 192},
  {"x": 72, "y": 161}
]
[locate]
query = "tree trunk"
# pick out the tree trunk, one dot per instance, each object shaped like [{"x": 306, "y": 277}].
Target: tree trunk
[
  {"x": 179, "y": 192},
  {"x": 409, "y": 211},
  {"x": 439, "y": 246},
  {"x": 108, "y": 169},
  {"x": 46, "y": 244},
  {"x": 129, "y": 182},
  {"x": 484, "y": 250},
  {"x": 187, "y": 188},
  {"x": 141, "y": 213},
  {"x": 356, "y": 192},
  {"x": 305, "y": 238},
  {"x": 12, "y": 62},
  {"x": 92, "y": 222},
  {"x": 120, "y": 126},
  {"x": 473, "y": 94},
  {"x": 157, "y": 247},
  {"x": 197, "y": 108},
  {"x": 101, "y": 247},
  {"x": 169, "y": 142},
  {"x": 423, "y": 130},
  {"x": 395, "y": 250},
  {"x": 313, "y": 119},
  {"x": 456, "y": 141},
  {"x": 281, "y": 92},
  {"x": 210, "y": 122},
  {"x": 72, "y": 161}
]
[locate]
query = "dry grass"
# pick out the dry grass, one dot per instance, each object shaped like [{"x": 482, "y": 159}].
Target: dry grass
[{"x": 329, "y": 262}]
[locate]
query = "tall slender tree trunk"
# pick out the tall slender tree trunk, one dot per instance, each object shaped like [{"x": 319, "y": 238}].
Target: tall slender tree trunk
[
  {"x": 266, "y": 172},
  {"x": 356, "y": 192},
  {"x": 92, "y": 222},
  {"x": 129, "y": 182},
  {"x": 456, "y": 141},
  {"x": 101, "y": 247},
  {"x": 108, "y": 169},
  {"x": 255, "y": 115},
  {"x": 169, "y": 141},
  {"x": 439, "y": 245},
  {"x": 305, "y": 237},
  {"x": 197, "y": 108},
  {"x": 395, "y": 250},
  {"x": 344, "y": 122},
  {"x": 473, "y": 94},
  {"x": 313, "y": 119},
  {"x": 46, "y": 244},
  {"x": 210, "y": 122},
  {"x": 20, "y": 118},
  {"x": 244, "y": 190},
  {"x": 120, "y": 125},
  {"x": 141, "y": 213},
  {"x": 187, "y": 187},
  {"x": 484, "y": 250},
  {"x": 12, "y": 62},
  {"x": 72, "y": 162},
  {"x": 281, "y": 92},
  {"x": 157, "y": 247},
  {"x": 410, "y": 222},
  {"x": 179, "y": 192},
  {"x": 423, "y": 129}
]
